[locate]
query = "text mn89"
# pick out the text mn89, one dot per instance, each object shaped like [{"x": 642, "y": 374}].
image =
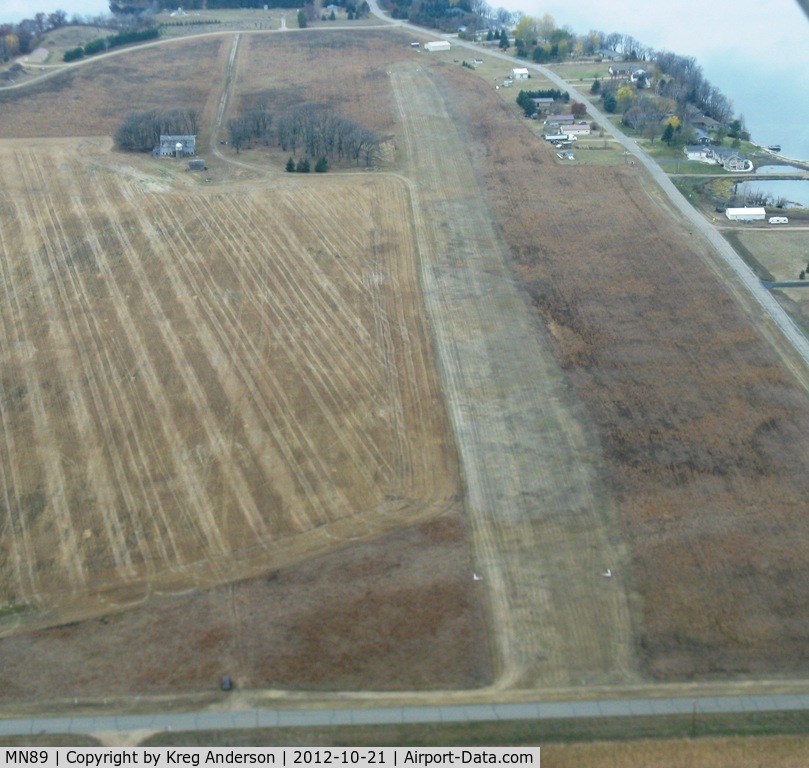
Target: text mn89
[{"x": 26, "y": 756}]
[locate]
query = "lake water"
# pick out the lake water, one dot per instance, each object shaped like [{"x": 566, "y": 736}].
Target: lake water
[{"x": 794, "y": 193}]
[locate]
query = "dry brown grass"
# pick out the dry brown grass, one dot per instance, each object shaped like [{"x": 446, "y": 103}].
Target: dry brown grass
[
  {"x": 702, "y": 426},
  {"x": 91, "y": 100},
  {"x": 348, "y": 72},
  {"x": 775, "y": 751},
  {"x": 395, "y": 613}
]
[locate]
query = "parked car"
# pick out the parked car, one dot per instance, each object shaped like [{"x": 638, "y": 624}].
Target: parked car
[{"x": 778, "y": 220}]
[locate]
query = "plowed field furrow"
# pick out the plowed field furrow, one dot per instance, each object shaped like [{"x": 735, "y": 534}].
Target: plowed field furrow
[
  {"x": 413, "y": 365},
  {"x": 539, "y": 521},
  {"x": 18, "y": 540},
  {"x": 61, "y": 529},
  {"x": 331, "y": 228},
  {"x": 343, "y": 330},
  {"x": 340, "y": 231},
  {"x": 340, "y": 306},
  {"x": 122, "y": 520},
  {"x": 307, "y": 358},
  {"x": 205, "y": 418},
  {"x": 194, "y": 379},
  {"x": 387, "y": 352},
  {"x": 193, "y": 508},
  {"x": 140, "y": 399},
  {"x": 216, "y": 342},
  {"x": 129, "y": 456},
  {"x": 254, "y": 292}
]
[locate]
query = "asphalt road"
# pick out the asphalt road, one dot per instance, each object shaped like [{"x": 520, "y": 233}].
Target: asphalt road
[{"x": 265, "y": 718}]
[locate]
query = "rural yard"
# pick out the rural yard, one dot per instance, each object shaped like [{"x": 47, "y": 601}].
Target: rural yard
[{"x": 473, "y": 419}]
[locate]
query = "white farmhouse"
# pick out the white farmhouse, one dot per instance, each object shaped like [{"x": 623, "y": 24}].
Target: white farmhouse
[{"x": 519, "y": 73}]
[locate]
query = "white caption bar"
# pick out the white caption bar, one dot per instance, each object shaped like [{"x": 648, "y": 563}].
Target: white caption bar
[{"x": 282, "y": 757}]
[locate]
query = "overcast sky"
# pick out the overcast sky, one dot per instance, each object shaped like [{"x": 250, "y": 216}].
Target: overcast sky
[
  {"x": 16, "y": 10},
  {"x": 733, "y": 28}
]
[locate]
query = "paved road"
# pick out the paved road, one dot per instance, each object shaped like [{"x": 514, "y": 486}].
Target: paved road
[{"x": 242, "y": 719}]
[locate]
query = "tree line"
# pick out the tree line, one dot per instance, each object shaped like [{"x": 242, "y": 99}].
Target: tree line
[
  {"x": 111, "y": 41},
  {"x": 141, "y": 131},
  {"x": 316, "y": 131}
]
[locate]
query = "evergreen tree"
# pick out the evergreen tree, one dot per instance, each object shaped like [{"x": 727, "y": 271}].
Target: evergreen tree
[{"x": 291, "y": 165}]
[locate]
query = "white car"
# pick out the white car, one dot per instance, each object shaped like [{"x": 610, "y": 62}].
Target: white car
[{"x": 778, "y": 220}]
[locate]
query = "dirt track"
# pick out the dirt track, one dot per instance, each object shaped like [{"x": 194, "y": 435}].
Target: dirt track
[{"x": 543, "y": 527}]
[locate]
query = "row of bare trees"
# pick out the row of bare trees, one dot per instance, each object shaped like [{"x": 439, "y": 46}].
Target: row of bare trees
[
  {"x": 314, "y": 130},
  {"x": 141, "y": 131}
]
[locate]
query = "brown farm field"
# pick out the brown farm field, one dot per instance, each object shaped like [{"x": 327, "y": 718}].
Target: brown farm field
[
  {"x": 256, "y": 412},
  {"x": 191, "y": 391}
]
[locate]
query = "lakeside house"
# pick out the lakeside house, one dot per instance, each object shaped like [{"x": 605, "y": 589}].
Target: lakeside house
[{"x": 729, "y": 159}]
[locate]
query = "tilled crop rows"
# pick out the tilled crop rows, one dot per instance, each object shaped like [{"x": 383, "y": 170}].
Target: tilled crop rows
[{"x": 189, "y": 376}]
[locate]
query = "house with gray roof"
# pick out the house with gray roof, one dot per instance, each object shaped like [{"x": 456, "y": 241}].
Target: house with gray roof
[{"x": 176, "y": 146}]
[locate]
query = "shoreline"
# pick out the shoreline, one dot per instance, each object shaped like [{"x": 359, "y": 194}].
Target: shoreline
[{"x": 803, "y": 164}]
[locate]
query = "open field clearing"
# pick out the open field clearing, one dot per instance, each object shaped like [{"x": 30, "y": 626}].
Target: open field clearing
[{"x": 189, "y": 376}]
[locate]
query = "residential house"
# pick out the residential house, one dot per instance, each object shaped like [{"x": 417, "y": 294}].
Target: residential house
[
  {"x": 176, "y": 146},
  {"x": 698, "y": 152},
  {"x": 560, "y": 119},
  {"x": 729, "y": 159},
  {"x": 543, "y": 103}
]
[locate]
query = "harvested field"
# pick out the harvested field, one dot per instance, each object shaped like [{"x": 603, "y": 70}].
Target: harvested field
[{"x": 198, "y": 386}]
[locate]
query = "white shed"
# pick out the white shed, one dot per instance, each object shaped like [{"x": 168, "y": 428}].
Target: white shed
[
  {"x": 746, "y": 214},
  {"x": 437, "y": 45},
  {"x": 519, "y": 73}
]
